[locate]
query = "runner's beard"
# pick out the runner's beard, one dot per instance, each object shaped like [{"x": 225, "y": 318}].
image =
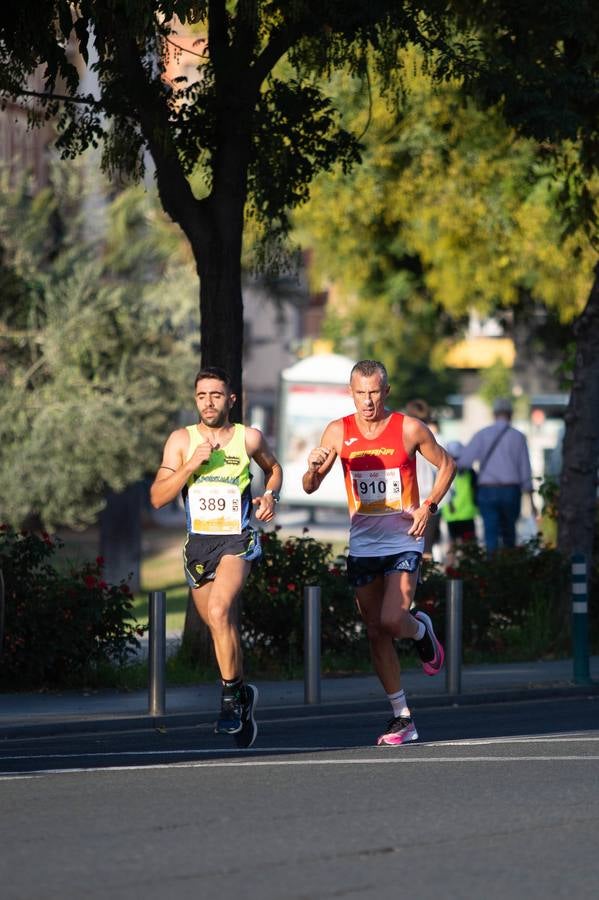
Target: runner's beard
[{"x": 217, "y": 422}]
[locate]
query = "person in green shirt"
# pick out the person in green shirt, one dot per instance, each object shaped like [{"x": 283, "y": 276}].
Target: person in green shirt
[{"x": 459, "y": 508}]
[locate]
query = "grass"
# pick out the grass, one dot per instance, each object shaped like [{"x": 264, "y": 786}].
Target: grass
[{"x": 162, "y": 570}]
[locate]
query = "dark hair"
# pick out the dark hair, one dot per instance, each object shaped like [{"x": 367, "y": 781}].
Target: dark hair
[
  {"x": 368, "y": 367},
  {"x": 214, "y": 372}
]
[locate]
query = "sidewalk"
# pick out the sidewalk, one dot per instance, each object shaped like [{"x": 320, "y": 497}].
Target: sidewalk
[{"x": 44, "y": 714}]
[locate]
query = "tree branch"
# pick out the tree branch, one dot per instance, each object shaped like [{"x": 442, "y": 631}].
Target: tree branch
[
  {"x": 280, "y": 42},
  {"x": 153, "y": 116},
  {"x": 64, "y": 98}
]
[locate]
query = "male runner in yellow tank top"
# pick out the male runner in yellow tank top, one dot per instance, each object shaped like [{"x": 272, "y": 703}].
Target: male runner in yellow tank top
[
  {"x": 378, "y": 449},
  {"x": 209, "y": 463}
]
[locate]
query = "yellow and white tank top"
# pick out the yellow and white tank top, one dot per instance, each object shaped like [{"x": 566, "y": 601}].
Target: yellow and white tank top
[{"x": 217, "y": 496}]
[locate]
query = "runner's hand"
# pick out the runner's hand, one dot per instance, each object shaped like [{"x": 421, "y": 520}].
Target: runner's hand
[
  {"x": 201, "y": 454},
  {"x": 318, "y": 457},
  {"x": 266, "y": 507},
  {"x": 421, "y": 517}
]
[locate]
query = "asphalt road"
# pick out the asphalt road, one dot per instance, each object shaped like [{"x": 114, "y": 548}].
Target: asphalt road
[{"x": 495, "y": 801}]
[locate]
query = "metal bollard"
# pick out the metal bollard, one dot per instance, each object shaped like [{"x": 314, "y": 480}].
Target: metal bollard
[
  {"x": 1, "y": 611},
  {"x": 157, "y": 654},
  {"x": 580, "y": 620},
  {"x": 453, "y": 637},
  {"x": 312, "y": 644}
]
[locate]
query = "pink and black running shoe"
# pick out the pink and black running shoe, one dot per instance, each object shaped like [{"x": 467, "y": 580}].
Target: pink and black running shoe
[
  {"x": 429, "y": 648},
  {"x": 400, "y": 730}
]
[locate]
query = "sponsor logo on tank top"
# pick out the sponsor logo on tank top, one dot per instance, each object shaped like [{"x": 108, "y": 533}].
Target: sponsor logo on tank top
[{"x": 380, "y": 451}]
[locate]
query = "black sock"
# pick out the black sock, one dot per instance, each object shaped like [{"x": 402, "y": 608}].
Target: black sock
[{"x": 231, "y": 687}]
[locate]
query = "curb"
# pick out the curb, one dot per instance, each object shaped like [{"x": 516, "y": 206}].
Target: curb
[{"x": 118, "y": 724}]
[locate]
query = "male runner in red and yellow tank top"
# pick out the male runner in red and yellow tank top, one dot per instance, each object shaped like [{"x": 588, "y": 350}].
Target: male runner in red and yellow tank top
[{"x": 377, "y": 449}]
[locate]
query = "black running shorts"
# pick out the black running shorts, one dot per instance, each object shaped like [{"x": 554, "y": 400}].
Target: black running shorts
[
  {"x": 363, "y": 570},
  {"x": 203, "y": 552}
]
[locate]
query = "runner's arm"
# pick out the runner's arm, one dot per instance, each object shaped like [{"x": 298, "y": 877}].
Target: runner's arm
[
  {"x": 419, "y": 438},
  {"x": 173, "y": 472},
  {"x": 259, "y": 450},
  {"x": 321, "y": 458}
]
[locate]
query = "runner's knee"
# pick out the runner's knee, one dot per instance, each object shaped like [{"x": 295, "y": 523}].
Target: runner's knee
[
  {"x": 396, "y": 622},
  {"x": 219, "y": 613}
]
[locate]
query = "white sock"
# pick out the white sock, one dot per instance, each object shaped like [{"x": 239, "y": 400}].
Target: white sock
[
  {"x": 421, "y": 631},
  {"x": 399, "y": 704}
]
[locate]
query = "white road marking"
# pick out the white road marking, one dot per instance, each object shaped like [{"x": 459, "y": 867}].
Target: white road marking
[
  {"x": 579, "y": 737},
  {"x": 101, "y": 754},
  {"x": 517, "y": 739},
  {"x": 219, "y": 764}
]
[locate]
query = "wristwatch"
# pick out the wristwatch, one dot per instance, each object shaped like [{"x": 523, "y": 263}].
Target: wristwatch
[
  {"x": 275, "y": 494},
  {"x": 432, "y": 506}
]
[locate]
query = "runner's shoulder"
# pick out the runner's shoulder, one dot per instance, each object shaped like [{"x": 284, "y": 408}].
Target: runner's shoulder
[
  {"x": 254, "y": 439},
  {"x": 179, "y": 437},
  {"x": 333, "y": 434}
]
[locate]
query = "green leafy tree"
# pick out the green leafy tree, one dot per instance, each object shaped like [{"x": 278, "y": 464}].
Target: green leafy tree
[
  {"x": 543, "y": 70},
  {"x": 94, "y": 349},
  {"x": 257, "y": 135},
  {"x": 449, "y": 211}
]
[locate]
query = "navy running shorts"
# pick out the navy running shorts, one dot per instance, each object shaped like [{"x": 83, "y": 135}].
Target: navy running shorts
[
  {"x": 203, "y": 552},
  {"x": 362, "y": 570}
]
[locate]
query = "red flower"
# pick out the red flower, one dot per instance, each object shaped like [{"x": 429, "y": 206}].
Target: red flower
[
  {"x": 99, "y": 561},
  {"x": 89, "y": 581},
  {"x": 291, "y": 586},
  {"x": 102, "y": 585}
]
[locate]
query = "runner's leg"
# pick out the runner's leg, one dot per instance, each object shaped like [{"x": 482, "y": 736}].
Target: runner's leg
[
  {"x": 216, "y": 602},
  {"x": 369, "y": 599},
  {"x": 399, "y": 592}
]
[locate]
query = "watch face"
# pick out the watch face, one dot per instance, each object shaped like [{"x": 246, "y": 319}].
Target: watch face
[{"x": 433, "y": 507}]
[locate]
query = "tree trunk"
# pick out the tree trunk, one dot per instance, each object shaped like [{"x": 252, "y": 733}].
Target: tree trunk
[
  {"x": 221, "y": 301},
  {"x": 578, "y": 482}
]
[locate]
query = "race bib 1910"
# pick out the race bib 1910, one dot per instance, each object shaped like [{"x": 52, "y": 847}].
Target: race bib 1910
[
  {"x": 214, "y": 508},
  {"x": 377, "y": 492}
]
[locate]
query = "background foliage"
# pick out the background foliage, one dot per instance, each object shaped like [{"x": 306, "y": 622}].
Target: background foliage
[
  {"x": 61, "y": 623},
  {"x": 273, "y": 604},
  {"x": 450, "y": 210},
  {"x": 66, "y": 626},
  {"x": 96, "y": 344}
]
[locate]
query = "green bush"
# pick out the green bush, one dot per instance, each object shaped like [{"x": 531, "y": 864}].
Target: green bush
[
  {"x": 60, "y": 623},
  {"x": 273, "y": 605},
  {"x": 512, "y": 600}
]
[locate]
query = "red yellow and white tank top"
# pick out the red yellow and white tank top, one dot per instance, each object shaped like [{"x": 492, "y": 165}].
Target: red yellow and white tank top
[{"x": 382, "y": 489}]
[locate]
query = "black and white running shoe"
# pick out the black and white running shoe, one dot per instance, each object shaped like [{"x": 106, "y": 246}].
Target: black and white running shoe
[{"x": 245, "y": 737}]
